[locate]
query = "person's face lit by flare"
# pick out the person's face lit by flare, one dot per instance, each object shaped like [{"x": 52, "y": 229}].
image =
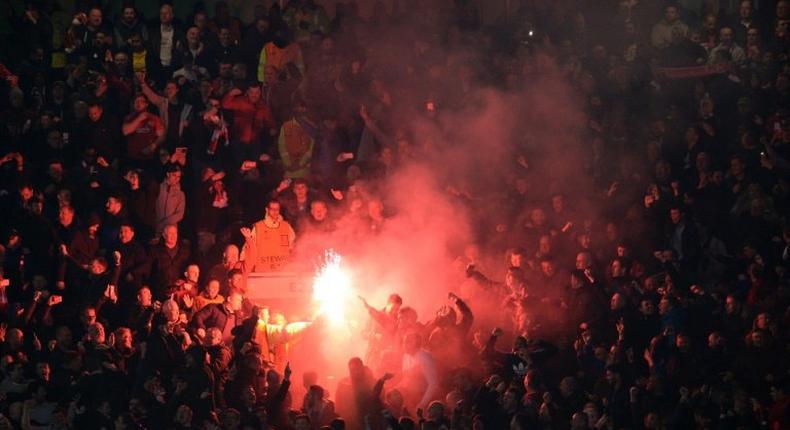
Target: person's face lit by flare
[
  {"x": 231, "y": 255},
  {"x": 273, "y": 210},
  {"x": 89, "y": 316},
  {"x": 192, "y": 273},
  {"x": 214, "y": 336},
  {"x": 237, "y": 282},
  {"x": 95, "y": 112},
  {"x": 140, "y": 104},
  {"x": 544, "y": 244},
  {"x": 212, "y": 289},
  {"x": 617, "y": 269},
  {"x": 547, "y": 268},
  {"x": 98, "y": 267},
  {"x": 144, "y": 297},
  {"x": 126, "y": 234},
  {"x": 113, "y": 205},
  {"x": 123, "y": 340},
  {"x": 254, "y": 94},
  {"x": 66, "y": 216},
  {"x": 173, "y": 178},
  {"x": 171, "y": 236},
  {"x": 300, "y": 190},
  {"x": 516, "y": 260},
  {"x": 171, "y": 90},
  {"x": 170, "y": 311},
  {"x": 318, "y": 211}
]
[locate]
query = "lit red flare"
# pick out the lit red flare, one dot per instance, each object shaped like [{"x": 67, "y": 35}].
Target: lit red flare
[{"x": 332, "y": 290}]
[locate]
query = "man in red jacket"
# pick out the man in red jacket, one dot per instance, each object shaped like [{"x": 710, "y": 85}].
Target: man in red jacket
[{"x": 251, "y": 120}]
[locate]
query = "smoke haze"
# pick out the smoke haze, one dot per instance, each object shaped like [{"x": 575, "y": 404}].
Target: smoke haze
[{"x": 459, "y": 167}]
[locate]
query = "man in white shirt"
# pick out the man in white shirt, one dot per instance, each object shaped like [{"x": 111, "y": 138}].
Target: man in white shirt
[
  {"x": 167, "y": 32},
  {"x": 419, "y": 377},
  {"x": 163, "y": 44},
  {"x": 662, "y": 33},
  {"x": 727, "y": 44}
]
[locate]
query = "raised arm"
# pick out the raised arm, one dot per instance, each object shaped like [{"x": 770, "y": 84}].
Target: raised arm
[
  {"x": 132, "y": 124},
  {"x": 151, "y": 95},
  {"x": 483, "y": 280},
  {"x": 229, "y": 100},
  {"x": 279, "y": 334},
  {"x": 249, "y": 252},
  {"x": 466, "y": 314},
  {"x": 489, "y": 349},
  {"x": 379, "y": 316}
]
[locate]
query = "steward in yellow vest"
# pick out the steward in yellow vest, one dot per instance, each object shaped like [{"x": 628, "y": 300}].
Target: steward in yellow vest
[{"x": 268, "y": 244}]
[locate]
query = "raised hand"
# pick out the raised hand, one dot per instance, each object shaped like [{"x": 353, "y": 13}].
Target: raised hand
[
  {"x": 113, "y": 293},
  {"x": 364, "y": 301},
  {"x": 285, "y": 183},
  {"x": 287, "y": 372}
]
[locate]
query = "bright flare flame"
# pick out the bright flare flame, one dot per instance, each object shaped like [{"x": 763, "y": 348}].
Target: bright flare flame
[{"x": 332, "y": 290}]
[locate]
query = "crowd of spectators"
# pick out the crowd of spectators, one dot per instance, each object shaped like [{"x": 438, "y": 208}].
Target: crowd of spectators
[{"x": 147, "y": 159}]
